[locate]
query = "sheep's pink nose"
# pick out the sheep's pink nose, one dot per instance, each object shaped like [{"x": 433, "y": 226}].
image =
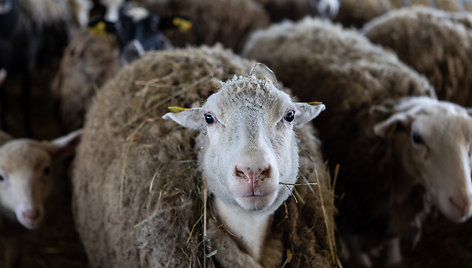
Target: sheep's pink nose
[
  {"x": 254, "y": 173},
  {"x": 31, "y": 215}
]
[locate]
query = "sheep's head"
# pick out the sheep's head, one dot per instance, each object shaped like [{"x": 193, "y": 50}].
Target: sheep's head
[
  {"x": 25, "y": 182},
  {"x": 434, "y": 140},
  {"x": 248, "y": 145}
]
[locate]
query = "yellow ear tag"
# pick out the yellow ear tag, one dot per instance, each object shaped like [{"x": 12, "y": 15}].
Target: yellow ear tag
[
  {"x": 176, "y": 109},
  {"x": 314, "y": 102},
  {"x": 99, "y": 29},
  {"x": 183, "y": 24}
]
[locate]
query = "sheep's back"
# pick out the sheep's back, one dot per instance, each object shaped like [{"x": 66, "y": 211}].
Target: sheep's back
[{"x": 435, "y": 43}]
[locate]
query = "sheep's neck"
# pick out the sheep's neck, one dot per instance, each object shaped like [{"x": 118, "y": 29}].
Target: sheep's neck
[{"x": 250, "y": 230}]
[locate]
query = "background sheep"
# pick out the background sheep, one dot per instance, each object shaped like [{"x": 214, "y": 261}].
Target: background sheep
[
  {"x": 435, "y": 43},
  {"x": 297, "y": 9},
  {"x": 136, "y": 177},
  {"x": 375, "y": 132},
  {"x": 34, "y": 34},
  {"x": 357, "y": 13},
  {"x": 89, "y": 61},
  {"x": 25, "y": 184},
  {"x": 225, "y": 21}
]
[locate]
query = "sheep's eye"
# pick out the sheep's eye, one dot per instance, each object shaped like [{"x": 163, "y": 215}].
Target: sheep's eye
[
  {"x": 290, "y": 116},
  {"x": 2, "y": 179},
  {"x": 209, "y": 119},
  {"x": 417, "y": 138},
  {"x": 47, "y": 170}
]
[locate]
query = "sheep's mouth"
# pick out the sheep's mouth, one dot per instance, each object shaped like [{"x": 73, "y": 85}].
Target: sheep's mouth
[{"x": 255, "y": 194}]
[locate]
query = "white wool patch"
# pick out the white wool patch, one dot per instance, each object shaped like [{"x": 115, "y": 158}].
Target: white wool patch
[{"x": 137, "y": 13}]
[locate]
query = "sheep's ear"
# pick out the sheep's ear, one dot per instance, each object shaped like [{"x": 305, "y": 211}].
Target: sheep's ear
[
  {"x": 388, "y": 126},
  {"x": 4, "y": 138},
  {"x": 191, "y": 118},
  {"x": 306, "y": 112},
  {"x": 63, "y": 146}
]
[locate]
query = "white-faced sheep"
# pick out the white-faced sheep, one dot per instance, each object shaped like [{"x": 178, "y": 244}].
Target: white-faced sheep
[
  {"x": 399, "y": 149},
  {"x": 435, "y": 43},
  {"x": 25, "y": 185},
  {"x": 141, "y": 200},
  {"x": 357, "y": 13}
]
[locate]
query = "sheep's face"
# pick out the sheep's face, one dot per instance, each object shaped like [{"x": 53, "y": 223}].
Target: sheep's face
[
  {"x": 25, "y": 181},
  {"x": 248, "y": 147},
  {"x": 435, "y": 143}
]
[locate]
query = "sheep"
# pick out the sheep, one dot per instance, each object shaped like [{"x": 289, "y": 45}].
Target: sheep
[
  {"x": 294, "y": 10},
  {"x": 139, "y": 199},
  {"x": 33, "y": 34},
  {"x": 226, "y": 21},
  {"x": 435, "y": 43},
  {"x": 357, "y": 13},
  {"x": 400, "y": 150},
  {"x": 25, "y": 184},
  {"x": 89, "y": 61}
]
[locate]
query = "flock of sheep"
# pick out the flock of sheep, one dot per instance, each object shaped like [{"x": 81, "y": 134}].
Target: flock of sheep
[{"x": 202, "y": 157}]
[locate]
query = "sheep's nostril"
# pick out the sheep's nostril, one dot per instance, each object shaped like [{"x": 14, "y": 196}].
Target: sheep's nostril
[
  {"x": 240, "y": 174},
  {"x": 31, "y": 215},
  {"x": 252, "y": 174}
]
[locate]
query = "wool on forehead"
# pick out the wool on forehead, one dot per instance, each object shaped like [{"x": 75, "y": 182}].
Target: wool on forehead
[{"x": 251, "y": 91}]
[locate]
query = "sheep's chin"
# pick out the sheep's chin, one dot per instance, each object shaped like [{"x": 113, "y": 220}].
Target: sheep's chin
[
  {"x": 451, "y": 213},
  {"x": 29, "y": 225},
  {"x": 256, "y": 203}
]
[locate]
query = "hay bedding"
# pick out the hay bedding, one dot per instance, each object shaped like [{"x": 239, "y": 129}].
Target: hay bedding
[{"x": 138, "y": 196}]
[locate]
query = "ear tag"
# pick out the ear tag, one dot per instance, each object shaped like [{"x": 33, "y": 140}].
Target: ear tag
[
  {"x": 99, "y": 29},
  {"x": 314, "y": 102},
  {"x": 181, "y": 23},
  {"x": 177, "y": 109}
]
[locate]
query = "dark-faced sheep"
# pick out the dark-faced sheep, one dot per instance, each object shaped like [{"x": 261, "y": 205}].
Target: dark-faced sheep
[
  {"x": 225, "y": 21},
  {"x": 400, "y": 150},
  {"x": 296, "y": 9},
  {"x": 141, "y": 198},
  {"x": 435, "y": 43},
  {"x": 25, "y": 184}
]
